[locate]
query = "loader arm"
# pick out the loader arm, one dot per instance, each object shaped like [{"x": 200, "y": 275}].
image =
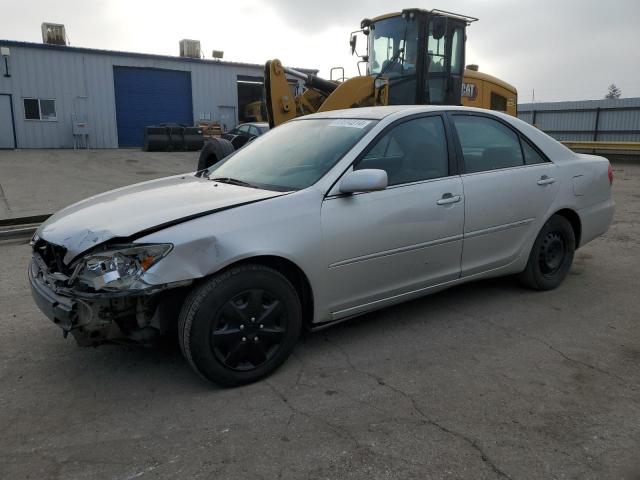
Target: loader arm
[
  {"x": 281, "y": 105},
  {"x": 320, "y": 95},
  {"x": 355, "y": 92}
]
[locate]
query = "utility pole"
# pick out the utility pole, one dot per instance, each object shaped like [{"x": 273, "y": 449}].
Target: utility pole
[{"x": 533, "y": 96}]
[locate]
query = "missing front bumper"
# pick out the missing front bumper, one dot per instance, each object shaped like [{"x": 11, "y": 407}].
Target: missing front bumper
[
  {"x": 106, "y": 317},
  {"x": 60, "y": 310},
  {"x": 75, "y": 316}
]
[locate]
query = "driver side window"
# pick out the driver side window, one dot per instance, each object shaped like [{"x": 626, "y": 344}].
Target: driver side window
[{"x": 410, "y": 152}]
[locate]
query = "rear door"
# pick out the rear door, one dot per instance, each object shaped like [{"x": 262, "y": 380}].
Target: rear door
[
  {"x": 404, "y": 238},
  {"x": 508, "y": 185}
]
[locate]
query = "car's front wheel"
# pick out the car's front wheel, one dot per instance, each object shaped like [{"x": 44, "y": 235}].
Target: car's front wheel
[
  {"x": 551, "y": 256},
  {"x": 240, "y": 325}
]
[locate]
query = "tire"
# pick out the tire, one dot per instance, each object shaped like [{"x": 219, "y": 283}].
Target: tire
[
  {"x": 551, "y": 256},
  {"x": 227, "y": 322},
  {"x": 213, "y": 151}
]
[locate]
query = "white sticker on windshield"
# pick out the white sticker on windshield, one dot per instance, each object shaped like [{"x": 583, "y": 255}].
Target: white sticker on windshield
[{"x": 348, "y": 122}]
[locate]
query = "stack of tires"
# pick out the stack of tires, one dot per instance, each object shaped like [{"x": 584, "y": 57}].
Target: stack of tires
[{"x": 171, "y": 137}]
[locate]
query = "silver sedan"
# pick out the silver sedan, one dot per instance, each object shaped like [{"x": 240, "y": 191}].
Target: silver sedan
[{"x": 324, "y": 218}]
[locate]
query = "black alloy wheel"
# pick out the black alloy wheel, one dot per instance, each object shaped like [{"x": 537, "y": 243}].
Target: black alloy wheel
[
  {"x": 249, "y": 329},
  {"x": 240, "y": 325}
]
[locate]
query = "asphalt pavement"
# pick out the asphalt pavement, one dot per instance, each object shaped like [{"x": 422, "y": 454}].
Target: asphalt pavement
[
  {"x": 37, "y": 182},
  {"x": 483, "y": 381}
]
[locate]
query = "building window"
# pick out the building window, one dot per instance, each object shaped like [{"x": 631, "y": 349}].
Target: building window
[{"x": 39, "y": 109}]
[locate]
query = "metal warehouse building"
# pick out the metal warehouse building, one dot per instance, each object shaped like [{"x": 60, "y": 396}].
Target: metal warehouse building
[
  {"x": 48, "y": 92},
  {"x": 604, "y": 120}
]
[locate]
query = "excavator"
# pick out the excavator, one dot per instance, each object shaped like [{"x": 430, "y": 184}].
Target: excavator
[{"x": 412, "y": 57}]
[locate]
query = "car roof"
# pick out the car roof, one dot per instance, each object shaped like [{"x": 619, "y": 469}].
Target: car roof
[
  {"x": 257, "y": 124},
  {"x": 378, "y": 113},
  {"x": 550, "y": 146}
]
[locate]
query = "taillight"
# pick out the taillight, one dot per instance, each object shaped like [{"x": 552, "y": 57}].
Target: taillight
[{"x": 610, "y": 174}]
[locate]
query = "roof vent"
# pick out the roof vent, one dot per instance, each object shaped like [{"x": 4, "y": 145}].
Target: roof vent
[
  {"x": 473, "y": 67},
  {"x": 190, "y": 48},
  {"x": 217, "y": 54},
  {"x": 54, "y": 34}
]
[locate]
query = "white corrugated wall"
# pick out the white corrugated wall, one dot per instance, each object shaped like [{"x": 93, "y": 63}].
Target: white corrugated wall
[{"x": 82, "y": 82}]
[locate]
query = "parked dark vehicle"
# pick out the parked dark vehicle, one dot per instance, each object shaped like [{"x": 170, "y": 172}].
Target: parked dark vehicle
[{"x": 240, "y": 135}]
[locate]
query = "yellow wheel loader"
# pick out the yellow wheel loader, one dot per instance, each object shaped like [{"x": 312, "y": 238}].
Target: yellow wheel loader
[
  {"x": 255, "y": 112},
  {"x": 413, "y": 57}
]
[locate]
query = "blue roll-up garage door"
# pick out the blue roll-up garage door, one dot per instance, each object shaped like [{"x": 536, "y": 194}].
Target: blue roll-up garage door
[{"x": 149, "y": 96}]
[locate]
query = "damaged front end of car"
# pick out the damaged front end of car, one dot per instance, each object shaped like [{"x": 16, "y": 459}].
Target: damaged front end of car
[{"x": 101, "y": 296}]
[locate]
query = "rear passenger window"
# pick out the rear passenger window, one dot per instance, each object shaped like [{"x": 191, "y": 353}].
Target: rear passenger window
[
  {"x": 487, "y": 144},
  {"x": 413, "y": 151},
  {"x": 531, "y": 156}
]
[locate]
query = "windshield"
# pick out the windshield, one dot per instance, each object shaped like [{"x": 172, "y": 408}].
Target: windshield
[
  {"x": 294, "y": 155},
  {"x": 386, "y": 39}
]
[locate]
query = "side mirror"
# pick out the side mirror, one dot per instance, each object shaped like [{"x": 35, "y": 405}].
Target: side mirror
[
  {"x": 366, "y": 180},
  {"x": 353, "y": 41}
]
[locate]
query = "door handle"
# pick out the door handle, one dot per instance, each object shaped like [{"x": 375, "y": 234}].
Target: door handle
[
  {"x": 448, "y": 199},
  {"x": 544, "y": 180}
]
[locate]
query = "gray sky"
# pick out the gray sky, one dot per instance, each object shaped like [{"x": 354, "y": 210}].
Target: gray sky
[{"x": 565, "y": 49}]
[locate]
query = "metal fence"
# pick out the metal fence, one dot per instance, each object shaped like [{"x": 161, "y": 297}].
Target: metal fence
[{"x": 588, "y": 120}]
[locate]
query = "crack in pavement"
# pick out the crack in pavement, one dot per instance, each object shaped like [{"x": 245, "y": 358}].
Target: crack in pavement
[
  {"x": 471, "y": 442},
  {"x": 284, "y": 434},
  {"x": 302, "y": 367},
  {"x": 588, "y": 365},
  {"x": 338, "y": 430},
  {"x": 510, "y": 331},
  {"x": 4, "y": 199}
]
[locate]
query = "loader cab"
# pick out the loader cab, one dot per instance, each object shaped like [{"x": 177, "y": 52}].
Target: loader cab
[{"x": 419, "y": 53}]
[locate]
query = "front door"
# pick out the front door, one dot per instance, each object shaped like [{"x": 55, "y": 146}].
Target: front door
[
  {"x": 7, "y": 138},
  {"x": 407, "y": 237},
  {"x": 508, "y": 187}
]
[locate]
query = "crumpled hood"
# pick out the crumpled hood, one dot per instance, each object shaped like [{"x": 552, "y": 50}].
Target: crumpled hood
[{"x": 130, "y": 210}]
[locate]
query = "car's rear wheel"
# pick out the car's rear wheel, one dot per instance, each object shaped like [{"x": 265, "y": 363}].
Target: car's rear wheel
[
  {"x": 240, "y": 325},
  {"x": 213, "y": 151},
  {"x": 551, "y": 256}
]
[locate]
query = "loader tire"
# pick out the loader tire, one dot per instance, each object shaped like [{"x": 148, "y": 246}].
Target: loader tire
[{"x": 213, "y": 151}]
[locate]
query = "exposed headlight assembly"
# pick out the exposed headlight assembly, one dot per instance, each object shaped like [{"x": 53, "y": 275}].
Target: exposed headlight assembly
[{"x": 119, "y": 268}]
